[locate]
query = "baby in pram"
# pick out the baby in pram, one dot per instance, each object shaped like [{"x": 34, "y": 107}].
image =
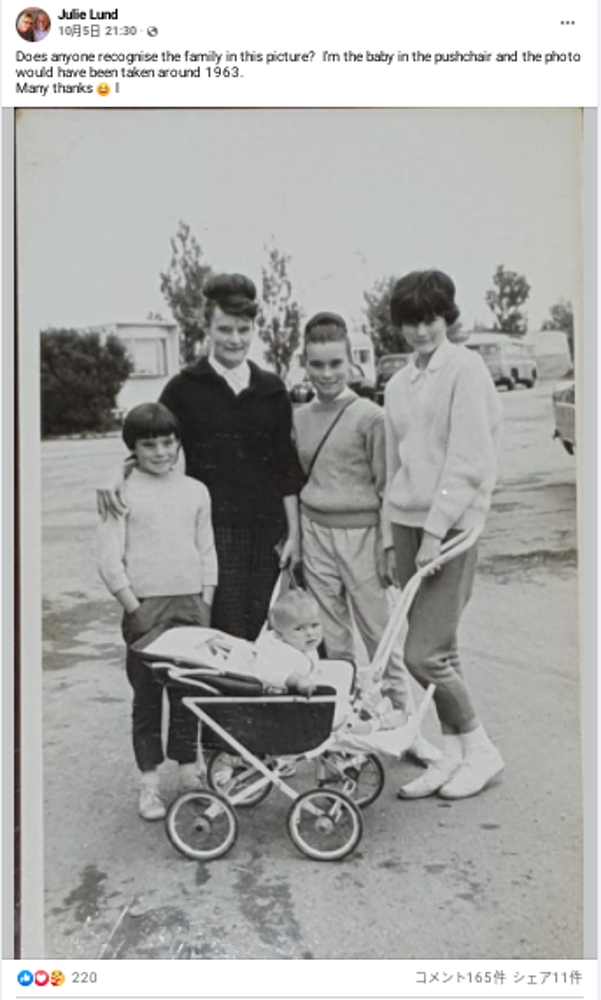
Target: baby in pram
[{"x": 285, "y": 657}]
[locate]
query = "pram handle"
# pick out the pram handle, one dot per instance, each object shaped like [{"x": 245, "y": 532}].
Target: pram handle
[
  {"x": 450, "y": 549},
  {"x": 455, "y": 546}
]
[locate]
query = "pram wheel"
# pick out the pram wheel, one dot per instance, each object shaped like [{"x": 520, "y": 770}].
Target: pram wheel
[
  {"x": 360, "y": 776},
  {"x": 229, "y": 775},
  {"x": 202, "y": 825},
  {"x": 325, "y": 825}
]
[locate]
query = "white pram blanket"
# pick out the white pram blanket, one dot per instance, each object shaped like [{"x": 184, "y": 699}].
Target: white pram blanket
[
  {"x": 269, "y": 660},
  {"x": 196, "y": 647},
  {"x": 393, "y": 742}
]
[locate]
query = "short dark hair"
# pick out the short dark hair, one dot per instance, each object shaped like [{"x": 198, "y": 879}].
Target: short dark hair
[
  {"x": 149, "y": 420},
  {"x": 421, "y": 297},
  {"x": 233, "y": 293}
]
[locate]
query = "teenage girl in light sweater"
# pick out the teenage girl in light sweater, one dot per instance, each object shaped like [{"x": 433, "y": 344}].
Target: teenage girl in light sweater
[
  {"x": 443, "y": 420},
  {"x": 341, "y": 510}
]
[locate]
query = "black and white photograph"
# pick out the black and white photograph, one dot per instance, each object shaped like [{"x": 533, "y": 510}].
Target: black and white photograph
[{"x": 300, "y": 646}]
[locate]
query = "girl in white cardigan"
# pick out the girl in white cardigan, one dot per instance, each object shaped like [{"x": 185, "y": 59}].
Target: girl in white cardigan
[{"x": 443, "y": 420}]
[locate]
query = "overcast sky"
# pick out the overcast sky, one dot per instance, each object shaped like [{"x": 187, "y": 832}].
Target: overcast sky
[{"x": 350, "y": 195}]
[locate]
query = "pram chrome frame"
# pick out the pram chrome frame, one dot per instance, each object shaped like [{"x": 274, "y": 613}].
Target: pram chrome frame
[
  {"x": 328, "y": 811},
  {"x": 340, "y": 806},
  {"x": 194, "y": 704}
]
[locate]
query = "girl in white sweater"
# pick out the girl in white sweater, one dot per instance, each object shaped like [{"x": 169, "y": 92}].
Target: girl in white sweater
[
  {"x": 443, "y": 419},
  {"x": 159, "y": 562}
]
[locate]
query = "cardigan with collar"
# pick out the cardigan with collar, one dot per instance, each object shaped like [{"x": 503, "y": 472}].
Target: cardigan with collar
[{"x": 239, "y": 445}]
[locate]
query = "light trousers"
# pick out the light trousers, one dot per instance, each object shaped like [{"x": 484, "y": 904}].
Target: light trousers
[{"x": 341, "y": 573}]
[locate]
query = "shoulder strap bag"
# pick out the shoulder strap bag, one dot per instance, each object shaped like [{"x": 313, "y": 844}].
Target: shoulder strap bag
[{"x": 317, "y": 451}]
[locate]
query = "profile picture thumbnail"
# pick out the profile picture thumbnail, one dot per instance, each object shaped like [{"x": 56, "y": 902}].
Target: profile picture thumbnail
[{"x": 33, "y": 24}]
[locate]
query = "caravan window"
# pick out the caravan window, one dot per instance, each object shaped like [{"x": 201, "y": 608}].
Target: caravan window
[{"x": 149, "y": 356}]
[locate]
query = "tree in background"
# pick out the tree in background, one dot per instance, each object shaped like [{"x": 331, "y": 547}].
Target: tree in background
[
  {"x": 386, "y": 338},
  {"x": 81, "y": 376},
  {"x": 506, "y": 301},
  {"x": 561, "y": 317},
  {"x": 182, "y": 286},
  {"x": 279, "y": 318}
]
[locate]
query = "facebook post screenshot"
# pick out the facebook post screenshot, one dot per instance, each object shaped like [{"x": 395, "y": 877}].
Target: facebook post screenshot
[{"x": 299, "y": 449}]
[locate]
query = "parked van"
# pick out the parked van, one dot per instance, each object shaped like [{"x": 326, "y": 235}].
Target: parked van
[
  {"x": 510, "y": 361},
  {"x": 564, "y": 410}
]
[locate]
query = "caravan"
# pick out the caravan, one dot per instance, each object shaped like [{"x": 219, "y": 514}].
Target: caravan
[{"x": 509, "y": 360}]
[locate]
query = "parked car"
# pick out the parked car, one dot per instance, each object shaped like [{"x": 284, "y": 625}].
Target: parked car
[
  {"x": 303, "y": 391},
  {"x": 387, "y": 366},
  {"x": 510, "y": 361},
  {"x": 564, "y": 412},
  {"x": 360, "y": 383}
]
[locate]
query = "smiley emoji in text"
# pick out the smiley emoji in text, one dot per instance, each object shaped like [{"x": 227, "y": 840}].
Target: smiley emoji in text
[{"x": 103, "y": 89}]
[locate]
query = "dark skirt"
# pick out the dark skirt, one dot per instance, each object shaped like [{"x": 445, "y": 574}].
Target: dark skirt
[{"x": 248, "y": 570}]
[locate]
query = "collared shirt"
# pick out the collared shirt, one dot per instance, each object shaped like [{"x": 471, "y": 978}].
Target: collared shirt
[
  {"x": 237, "y": 378},
  {"x": 419, "y": 376}
]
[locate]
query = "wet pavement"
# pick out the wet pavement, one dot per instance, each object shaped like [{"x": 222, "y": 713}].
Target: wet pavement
[{"x": 495, "y": 876}]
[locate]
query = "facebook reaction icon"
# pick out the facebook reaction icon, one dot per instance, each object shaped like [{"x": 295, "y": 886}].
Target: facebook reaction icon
[
  {"x": 25, "y": 978},
  {"x": 41, "y": 978}
]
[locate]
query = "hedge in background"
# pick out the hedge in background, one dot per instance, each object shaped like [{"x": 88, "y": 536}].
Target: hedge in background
[{"x": 81, "y": 375}]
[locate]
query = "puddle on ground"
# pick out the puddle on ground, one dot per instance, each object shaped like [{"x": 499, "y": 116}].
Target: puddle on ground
[
  {"x": 88, "y": 898},
  {"x": 73, "y": 634}
]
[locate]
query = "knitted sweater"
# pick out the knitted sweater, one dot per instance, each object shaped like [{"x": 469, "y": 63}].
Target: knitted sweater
[
  {"x": 163, "y": 546},
  {"x": 347, "y": 483},
  {"x": 442, "y": 434},
  {"x": 240, "y": 445},
  {"x": 276, "y": 661}
]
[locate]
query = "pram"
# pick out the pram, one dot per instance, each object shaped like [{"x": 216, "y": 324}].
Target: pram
[{"x": 256, "y": 734}]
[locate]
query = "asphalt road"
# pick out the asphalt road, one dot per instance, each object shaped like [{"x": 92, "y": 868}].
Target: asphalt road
[{"x": 497, "y": 876}]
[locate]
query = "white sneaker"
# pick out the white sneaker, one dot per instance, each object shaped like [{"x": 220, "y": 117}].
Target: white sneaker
[
  {"x": 150, "y": 805},
  {"x": 435, "y": 776},
  {"x": 479, "y": 767},
  {"x": 424, "y": 752}
]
